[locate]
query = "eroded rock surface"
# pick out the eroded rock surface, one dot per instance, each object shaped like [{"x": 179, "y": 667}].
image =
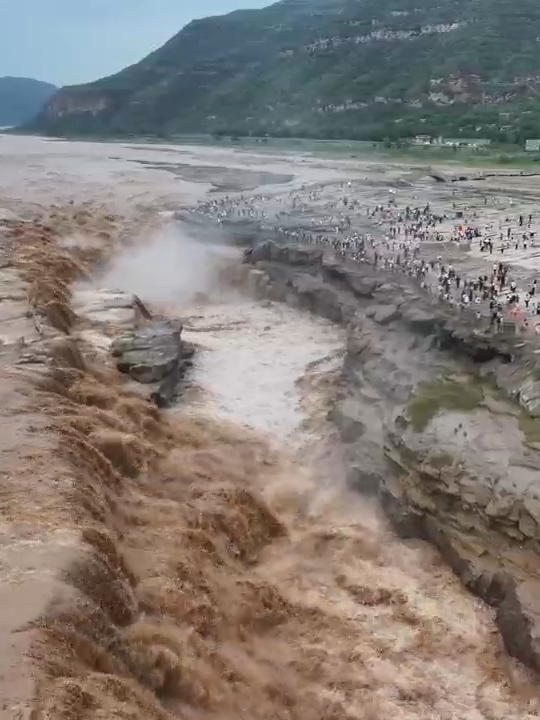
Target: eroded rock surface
[
  {"x": 437, "y": 419},
  {"x": 151, "y": 351},
  {"x": 113, "y": 307},
  {"x": 154, "y": 354}
]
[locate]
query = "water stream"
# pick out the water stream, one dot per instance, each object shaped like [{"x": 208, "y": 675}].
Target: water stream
[
  {"x": 299, "y": 600},
  {"x": 376, "y": 628}
]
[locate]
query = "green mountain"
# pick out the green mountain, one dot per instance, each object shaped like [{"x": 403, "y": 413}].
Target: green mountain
[
  {"x": 21, "y": 99},
  {"x": 363, "y": 69}
]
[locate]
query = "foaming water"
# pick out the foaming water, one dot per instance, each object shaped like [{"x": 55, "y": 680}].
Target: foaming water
[
  {"x": 250, "y": 359},
  {"x": 372, "y": 627},
  {"x": 229, "y": 577}
]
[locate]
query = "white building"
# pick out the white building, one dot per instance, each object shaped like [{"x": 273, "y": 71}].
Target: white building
[
  {"x": 467, "y": 142},
  {"x": 422, "y": 140}
]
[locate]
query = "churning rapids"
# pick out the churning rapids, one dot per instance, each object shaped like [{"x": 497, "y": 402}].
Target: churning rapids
[
  {"x": 327, "y": 615},
  {"x": 206, "y": 561}
]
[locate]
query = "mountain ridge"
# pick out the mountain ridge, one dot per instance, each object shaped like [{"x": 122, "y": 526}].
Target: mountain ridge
[
  {"x": 21, "y": 98},
  {"x": 373, "y": 69}
]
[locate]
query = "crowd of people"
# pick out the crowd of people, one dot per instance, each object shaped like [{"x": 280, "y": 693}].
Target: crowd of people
[{"x": 407, "y": 239}]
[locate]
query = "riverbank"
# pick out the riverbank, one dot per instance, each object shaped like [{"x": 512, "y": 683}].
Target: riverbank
[
  {"x": 438, "y": 420},
  {"x": 205, "y": 560}
]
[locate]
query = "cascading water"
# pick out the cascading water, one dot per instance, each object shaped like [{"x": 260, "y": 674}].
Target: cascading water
[
  {"x": 371, "y": 627},
  {"x": 281, "y": 592}
]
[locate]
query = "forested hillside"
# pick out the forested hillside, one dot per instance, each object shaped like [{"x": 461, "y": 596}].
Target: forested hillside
[{"x": 364, "y": 69}]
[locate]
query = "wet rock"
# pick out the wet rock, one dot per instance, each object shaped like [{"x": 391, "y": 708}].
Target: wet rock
[
  {"x": 479, "y": 348},
  {"x": 166, "y": 391},
  {"x": 334, "y": 270},
  {"x": 150, "y": 353},
  {"x": 384, "y": 314},
  {"x": 344, "y": 415},
  {"x": 465, "y": 556},
  {"x": 500, "y": 506},
  {"x": 109, "y": 306},
  {"x": 297, "y": 255},
  {"x": 323, "y": 299},
  {"x": 421, "y": 320},
  {"x": 358, "y": 343},
  {"x": 288, "y": 254},
  {"x": 155, "y": 355},
  {"x": 406, "y": 521},
  {"x": 518, "y": 619},
  {"x": 362, "y": 287},
  {"x": 438, "y": 176},
  {"x": 363, "y": 481},
  {"x": 529, "y": 397},
  {"x": 529, "y": 517}
]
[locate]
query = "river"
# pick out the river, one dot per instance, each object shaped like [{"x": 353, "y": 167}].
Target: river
[
  {"x": 244, "y": 579},
  {"x": 351, "y": 622}
]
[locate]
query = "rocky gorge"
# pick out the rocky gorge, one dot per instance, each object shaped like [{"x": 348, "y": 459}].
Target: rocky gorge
[
  {"x": 439, "y": 420},
  {"x": 207, "y": 559}
]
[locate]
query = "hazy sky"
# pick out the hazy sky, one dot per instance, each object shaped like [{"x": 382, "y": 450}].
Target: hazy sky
[{"x": 72, "y": 41}]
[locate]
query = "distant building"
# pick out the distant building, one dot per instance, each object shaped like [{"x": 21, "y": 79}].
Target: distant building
[
  {"x": 422, "y": 140},
  {"x": 532, "y": 145},
  {"x": 467, "y": 142},
  {"x": 451, "y": 142}
]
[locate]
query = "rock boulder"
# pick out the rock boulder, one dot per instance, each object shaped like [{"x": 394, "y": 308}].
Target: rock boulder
[{"x": 155, "y": 355}]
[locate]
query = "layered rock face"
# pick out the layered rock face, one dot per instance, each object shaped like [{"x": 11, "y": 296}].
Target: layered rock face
[
  {"x": 151, "y": 351},
  {"x": 155, "y": 355},
  {"x": 438, "y": 419}
]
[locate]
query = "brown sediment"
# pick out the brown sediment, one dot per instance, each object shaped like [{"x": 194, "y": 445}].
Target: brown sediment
[{"x": 197, "y": 580}]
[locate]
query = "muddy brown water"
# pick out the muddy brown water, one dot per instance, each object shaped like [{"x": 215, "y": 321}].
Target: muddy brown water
[
  {"x": 238, "y": 577},
  {"x": 370, "y": 626},
  {"x": 279, "y": 592}
]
